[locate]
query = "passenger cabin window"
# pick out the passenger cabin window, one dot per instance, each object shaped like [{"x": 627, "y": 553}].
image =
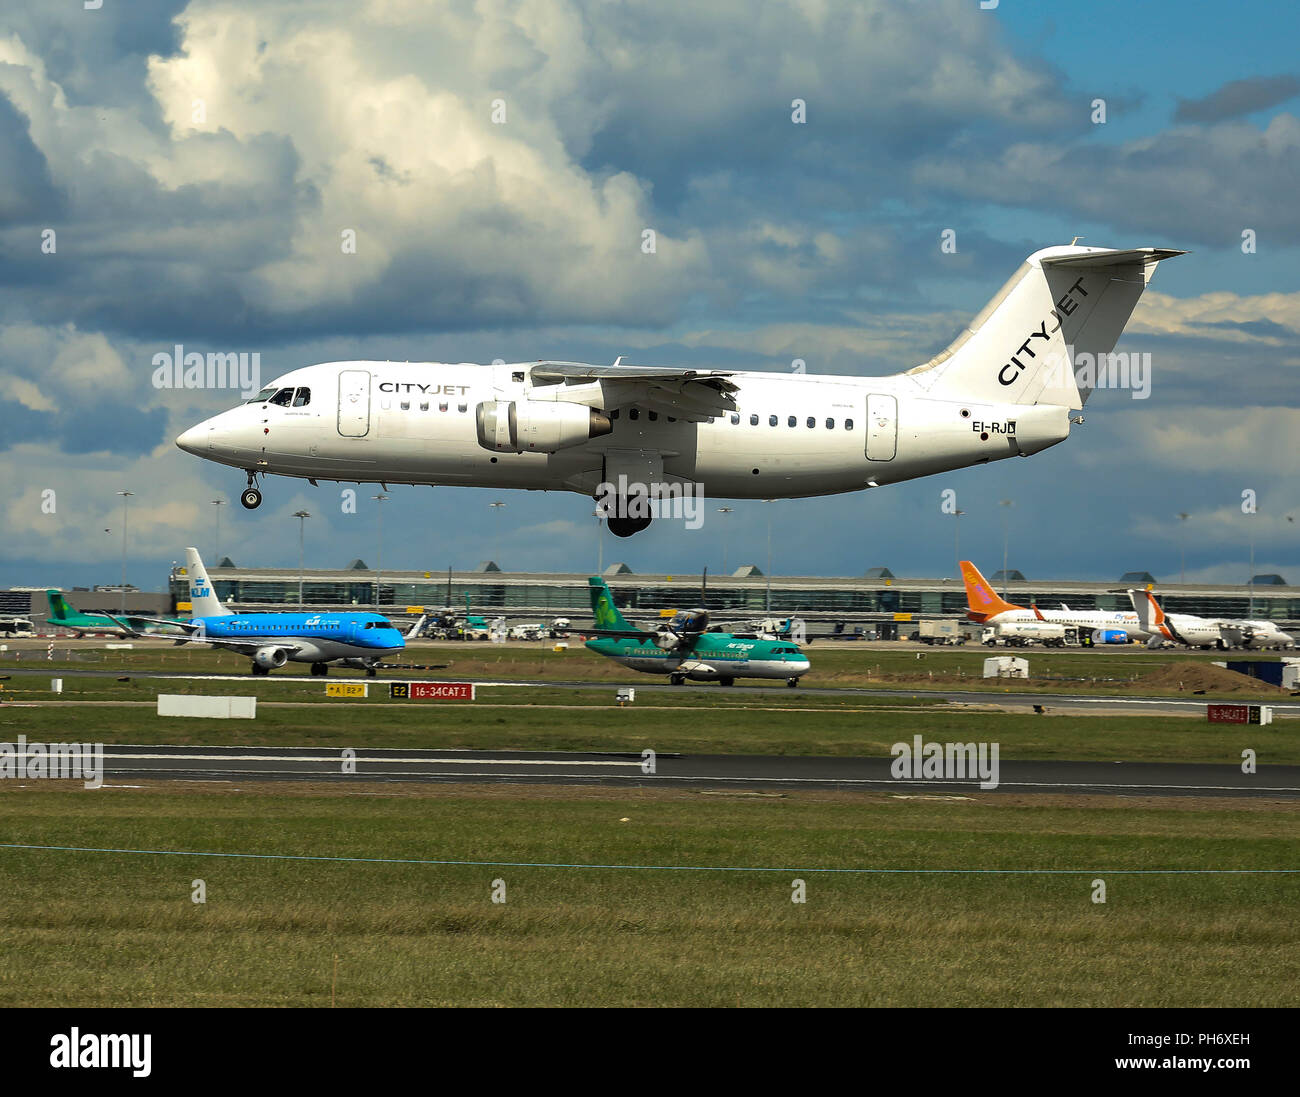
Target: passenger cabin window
[
  {"x": 462, "y": 407},
  {"x": 771, "y": 420},
  {"x": 753, "y": 420},
  {"x": 302, "y": 398},
  {"x": 284, "y": 398},
  {"x": 634, "y": 413},
  {"x": 812, "y": 421},
  {"x": 517, "y": 375},
  {"x": 830, "y": 424},
  {"x": 735, "y": 419},
  {"x": 793, "y": 421},
  {"x": 442, "y": 407},
  {"x": 614, "y": 414},
  {"x": 424, "y": 405},
  {"x": 848, "y": 424},
  {"x": 653, "y": 416},
  {"x": 405, "y": 405}
]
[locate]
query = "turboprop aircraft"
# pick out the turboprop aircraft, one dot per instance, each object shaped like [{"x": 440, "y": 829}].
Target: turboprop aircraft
[
  {"x": 684, "y": 648},
  {"x": 273, "y": 639},
  {"x": 636, "y": 436},
  {"x": 63, "y": 615}
]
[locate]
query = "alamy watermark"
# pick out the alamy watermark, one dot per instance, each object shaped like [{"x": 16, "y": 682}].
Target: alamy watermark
[
  {"x": 634, "y": 499},
  {"x": 922, "y": 761},
  {"x": 53, "y": 761},
  {"x": 177, "y": 369},
  {"x": 1116, "y": 370}
]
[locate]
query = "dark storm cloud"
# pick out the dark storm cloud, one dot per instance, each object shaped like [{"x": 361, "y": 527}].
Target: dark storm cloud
[
  {"x": 27, "y": 193},
  {"x": 1238, "y": 98}
]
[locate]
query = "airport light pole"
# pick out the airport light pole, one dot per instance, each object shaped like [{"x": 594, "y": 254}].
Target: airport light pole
[
  {"x": 724, "y": 510},
  {"x": 1182, "y": 547},
  {"x": 381, "y": 499},
  {"x": 497, "y": 506},
  {"x": 599, "y": 515},
  {"x": 301, "y": 515},
  {"x": 217, "y": 504},
  {"x": 126, "y": 495},
  {"x": 1008, "y": 504}
]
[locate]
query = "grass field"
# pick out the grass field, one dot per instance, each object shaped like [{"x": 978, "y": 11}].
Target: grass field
[
  {"x": 118, "y": 929},
  {"x": 1112, "y": 673}
]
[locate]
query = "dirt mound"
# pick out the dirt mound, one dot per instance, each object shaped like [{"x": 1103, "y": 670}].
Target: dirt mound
[{"x": 1189, "y": 677}]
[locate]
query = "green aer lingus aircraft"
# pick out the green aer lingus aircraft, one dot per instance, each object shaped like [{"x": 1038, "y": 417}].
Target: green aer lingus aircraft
[
  {"x": 684, "y": 649},
  {"x": 63, "y": 615}
]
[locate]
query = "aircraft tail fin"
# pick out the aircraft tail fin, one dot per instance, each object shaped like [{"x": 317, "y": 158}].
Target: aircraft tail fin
[
  {"x": 1149, "y": 614},
  {"x": 59, "y": 608},
  {"x": 203, "y": 597},
  {"x": 413, "y": 632},
  {"x": 1047, "y": 332},
  {"x": 982, "y": 601},
  {"x": 603, "y": 608}
]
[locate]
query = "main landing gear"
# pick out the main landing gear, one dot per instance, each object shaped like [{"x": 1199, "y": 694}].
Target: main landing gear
[
  {"x": 251, "y": 498},
  {"x": 319, "y": 670},
  {"x": 793, "y": 683},
  {"x": 629, "y": 514}
]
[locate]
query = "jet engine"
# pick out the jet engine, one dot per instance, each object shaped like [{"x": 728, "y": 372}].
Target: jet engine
[
  {"x": 270, "y": 658},
  {"x": 535, "y": 426}
]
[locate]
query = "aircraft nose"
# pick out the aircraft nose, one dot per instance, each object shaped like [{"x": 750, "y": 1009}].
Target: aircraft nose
[{"x": 194, "y": 440}]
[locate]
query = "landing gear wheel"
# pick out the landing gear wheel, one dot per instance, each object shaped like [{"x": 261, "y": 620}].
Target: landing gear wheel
[
  {"x": 726, "y": 681},
  {"x": 258, "y": 669},
  {"x": 675, "y": 679},
  {"x": 631, "y": 515},
  {"x": 319, "y": 670},
  {"x": 251, "y": 498},
  {"x": 793, "y": 683},
  {"x": 371, "y": 672}
]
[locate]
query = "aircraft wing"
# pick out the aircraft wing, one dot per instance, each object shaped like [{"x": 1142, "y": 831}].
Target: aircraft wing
[{"x": 690, "y": 394}]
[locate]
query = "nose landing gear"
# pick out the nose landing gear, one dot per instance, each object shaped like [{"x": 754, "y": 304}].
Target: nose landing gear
[{"x": 251, "y": 497}]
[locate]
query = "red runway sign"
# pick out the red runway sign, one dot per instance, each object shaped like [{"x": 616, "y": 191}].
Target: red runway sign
[{"x": 431, "y": 691}]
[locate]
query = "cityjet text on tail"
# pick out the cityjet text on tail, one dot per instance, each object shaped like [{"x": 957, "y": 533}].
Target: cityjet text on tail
[{"x": 1005, "y": 387}]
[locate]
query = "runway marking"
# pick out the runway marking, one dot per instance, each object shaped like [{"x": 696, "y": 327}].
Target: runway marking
[
  {"x": 336, "y": 758},
  {"x": 675, "y": 868}
]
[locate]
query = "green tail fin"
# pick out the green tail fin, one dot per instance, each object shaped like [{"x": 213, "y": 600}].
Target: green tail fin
[
  {"x": 603, "y": 608},
  {"x": 59, "y": 609}
]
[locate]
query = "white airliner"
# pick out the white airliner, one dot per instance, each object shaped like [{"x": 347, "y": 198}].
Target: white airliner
[
  {"x": 984, "y": 605},
  {"x": 1204, "y": 632},
  {"x": 631, "y": 435}
]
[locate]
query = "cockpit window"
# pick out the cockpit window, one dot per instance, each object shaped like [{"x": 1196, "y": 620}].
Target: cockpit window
[
  {"x": 302, "y": 397},
  {"x": 264, "y": 395},
  {"x": 284, "y": 398}
]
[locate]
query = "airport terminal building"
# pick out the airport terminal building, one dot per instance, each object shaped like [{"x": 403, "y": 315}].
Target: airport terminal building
[{"x": 876, "y": 596}]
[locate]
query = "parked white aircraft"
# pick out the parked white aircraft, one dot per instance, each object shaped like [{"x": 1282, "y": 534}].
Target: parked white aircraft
[
  {"x": 1204, "y": 632},
  {"x": 986, "y": 606},
  {"x": 632, "y": 435}
]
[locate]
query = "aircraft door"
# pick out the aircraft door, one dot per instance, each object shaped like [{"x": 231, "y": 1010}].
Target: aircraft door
[
  {"x": 354, "y": 403},
  {"x": 882, "y": 427}
]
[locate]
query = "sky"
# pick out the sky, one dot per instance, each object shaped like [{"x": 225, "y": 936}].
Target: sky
[{"x": 181, "y": 172}]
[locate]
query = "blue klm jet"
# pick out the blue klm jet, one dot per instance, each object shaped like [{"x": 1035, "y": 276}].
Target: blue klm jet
[{"x": 273, "y": 639}]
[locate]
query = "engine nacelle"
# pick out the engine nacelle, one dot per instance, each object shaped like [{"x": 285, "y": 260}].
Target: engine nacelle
[
  {"x": 270, "y": 658},
  {"x": 534, "y": 426}
]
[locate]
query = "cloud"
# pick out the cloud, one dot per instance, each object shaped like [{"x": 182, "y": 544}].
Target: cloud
[{"x": 1239, "y": 97}]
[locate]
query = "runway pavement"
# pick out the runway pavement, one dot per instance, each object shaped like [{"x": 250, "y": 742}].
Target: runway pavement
[{"x": 234, "y": 764}]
